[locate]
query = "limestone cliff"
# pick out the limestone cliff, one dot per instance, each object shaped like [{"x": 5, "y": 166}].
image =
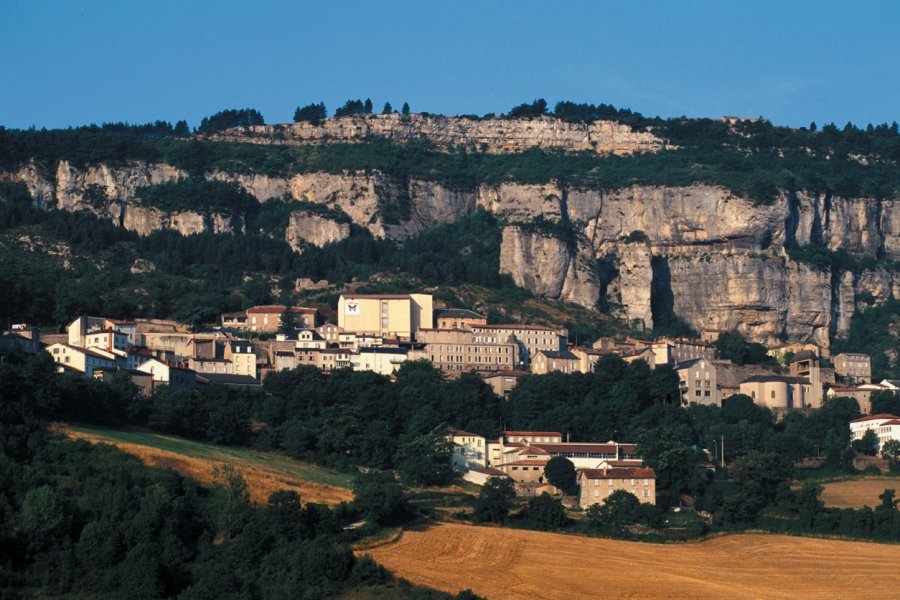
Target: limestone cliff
[
  {"x": 712, "y": 258},
  {"x": 305, "y": 228},
  {"x": 715, "y": 259},
  {"x": 489, "y": 135}
]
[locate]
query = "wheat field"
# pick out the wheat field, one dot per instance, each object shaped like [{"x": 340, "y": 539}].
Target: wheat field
[
  {"x": 265, "y": 473},
  {"x": 505, "y": 563},
  {"x": 856, "y": 493}
]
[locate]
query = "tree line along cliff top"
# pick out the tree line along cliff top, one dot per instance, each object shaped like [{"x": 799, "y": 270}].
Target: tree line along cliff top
[{"x": 581, "y": 145}]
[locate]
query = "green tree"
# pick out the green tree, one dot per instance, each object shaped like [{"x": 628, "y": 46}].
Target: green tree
[
  {"x": 367, "y": 107},
  {"x": 42, "y": 516},
  {"x": 405, "y": 109},
  {"x": 287, "y": 323},
  {"x": 388, "y": 109},
  {"x": 868, "y": 444},
  {"x": 560, "y": 472},
  {"x": 227, "y": 119},
  {"x": 425, "y": 459},
  {"x": 891, "y": 450},
  {"x": 379, "y": 497},
  {"x": 230, "y": 503},
  {"x": 494, "y": 500},
  {"x": 885, "y": 401},
  {"x": 887, "y": 500},
  {"x": 312, "y": 113},
  {"x": 733, "y": 346},
  {"x": 546, "y": 513}
]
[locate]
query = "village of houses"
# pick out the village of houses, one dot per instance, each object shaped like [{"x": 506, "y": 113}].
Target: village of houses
[{"x": 379, "y": 332}]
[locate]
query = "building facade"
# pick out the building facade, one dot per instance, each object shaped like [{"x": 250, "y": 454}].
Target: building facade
[
  {"x": 548, "y": 361},
  {"x": 457, "y": 318},
  {"x": 853, "y": 367},
  {"x": 386, "y": 315},
  {"x": 885, "y": 426},
  {"x": 531, "y": 339},
  {"x": 598, "y": 484},
  {"x": 699, "y": 384},
  {"x": 457, "y": 350},
  {"x": 779, "y": 392}
]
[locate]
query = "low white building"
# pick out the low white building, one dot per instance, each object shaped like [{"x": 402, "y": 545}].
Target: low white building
[
  {"x": 885, "y": 426},
  {"x": 384, "y": 361},
  {"x": 469, "y": 450},
  {"x": 176, "y": 376}
]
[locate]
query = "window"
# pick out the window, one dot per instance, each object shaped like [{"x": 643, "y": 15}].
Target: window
[
  {"x": 646, "y": 493},
  {"x": 773, "y": 393},
  {"x": 706, "y": 393}
]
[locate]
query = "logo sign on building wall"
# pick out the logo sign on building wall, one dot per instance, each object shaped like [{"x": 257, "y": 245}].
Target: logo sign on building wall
[{"x": 351, "y": 308}]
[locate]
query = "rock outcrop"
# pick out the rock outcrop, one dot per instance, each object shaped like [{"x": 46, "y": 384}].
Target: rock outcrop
[
  {"x": 306, "y": 228},
  {"x": 144, "y": 220},
  {"x": 487, "y": 135}
]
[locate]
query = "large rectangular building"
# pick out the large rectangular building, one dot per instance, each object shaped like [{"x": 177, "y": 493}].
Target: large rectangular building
[
  {"x": 387, "y": 315},
  {"x": 455, "y": 350},
  {"x": 531, "y": 338}
]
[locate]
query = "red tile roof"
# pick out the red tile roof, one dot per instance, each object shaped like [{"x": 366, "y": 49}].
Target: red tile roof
[
  {"x": 541, "y": 433},
  {"x": 278, "y": 308},
  {"x": 525, "y": 463},
  {"x": 632, "y": 473},
  {"x": 514, "y": 326},
  {"x": 874, "y": 417},
  {"x": 379, "y": 296}
]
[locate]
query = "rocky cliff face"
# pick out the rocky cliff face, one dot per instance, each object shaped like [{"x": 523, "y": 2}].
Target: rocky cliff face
[
  {"x": 714, "y": 259},
  {"x": 309, "y": 228},
  {"x": 489, "y": 135}
]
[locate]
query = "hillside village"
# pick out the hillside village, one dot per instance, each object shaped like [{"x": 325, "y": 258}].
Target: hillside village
[{"x": 379, "y": 332}]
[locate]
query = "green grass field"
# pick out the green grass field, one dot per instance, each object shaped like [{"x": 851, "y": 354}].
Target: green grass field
[{"x": 209, "y": 452}]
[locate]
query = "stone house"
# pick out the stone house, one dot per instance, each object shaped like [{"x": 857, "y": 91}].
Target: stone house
[{"x": 596, "y": 485}]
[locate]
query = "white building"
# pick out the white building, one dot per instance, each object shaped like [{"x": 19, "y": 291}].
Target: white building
[
  {"x": 469, "y": 450},
  {"x": 173, "y": 375},
  {"x": 383, "y": 361},
  {"x": 885, "y": 426}
]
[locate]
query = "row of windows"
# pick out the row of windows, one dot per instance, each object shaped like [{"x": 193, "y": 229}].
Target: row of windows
[
  {"x": 610, "y": 482},
  {"x": 597, "y": 493}
]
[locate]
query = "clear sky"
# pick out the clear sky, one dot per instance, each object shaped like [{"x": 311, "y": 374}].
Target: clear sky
[{"x": 88, "y": 61}]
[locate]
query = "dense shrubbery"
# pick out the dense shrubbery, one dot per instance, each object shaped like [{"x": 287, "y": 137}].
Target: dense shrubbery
[
  {"x": 199, "y": 195},
  {"x": 733, "y": 346},
  {"x": 77, "y": 519}
]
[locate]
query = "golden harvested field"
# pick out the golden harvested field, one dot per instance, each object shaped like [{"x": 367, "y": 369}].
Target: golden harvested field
[
  {"x": 264, "y": 472},
  {"x": 856, "y": 493},
  {"x": 508, "y": 563}
]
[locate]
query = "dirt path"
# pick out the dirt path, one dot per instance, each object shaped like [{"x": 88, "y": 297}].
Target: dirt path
[{"x": 507, "y": 563}]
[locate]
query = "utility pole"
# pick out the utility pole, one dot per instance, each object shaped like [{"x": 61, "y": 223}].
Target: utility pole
[{"x": 723, "y": 451}]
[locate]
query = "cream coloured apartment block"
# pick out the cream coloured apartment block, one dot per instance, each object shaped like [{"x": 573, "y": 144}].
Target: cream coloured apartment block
[{"x": 386, "y": 315}]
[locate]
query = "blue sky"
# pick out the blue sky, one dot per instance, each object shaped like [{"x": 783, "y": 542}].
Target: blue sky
[{"x": 71, "y": 63}]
